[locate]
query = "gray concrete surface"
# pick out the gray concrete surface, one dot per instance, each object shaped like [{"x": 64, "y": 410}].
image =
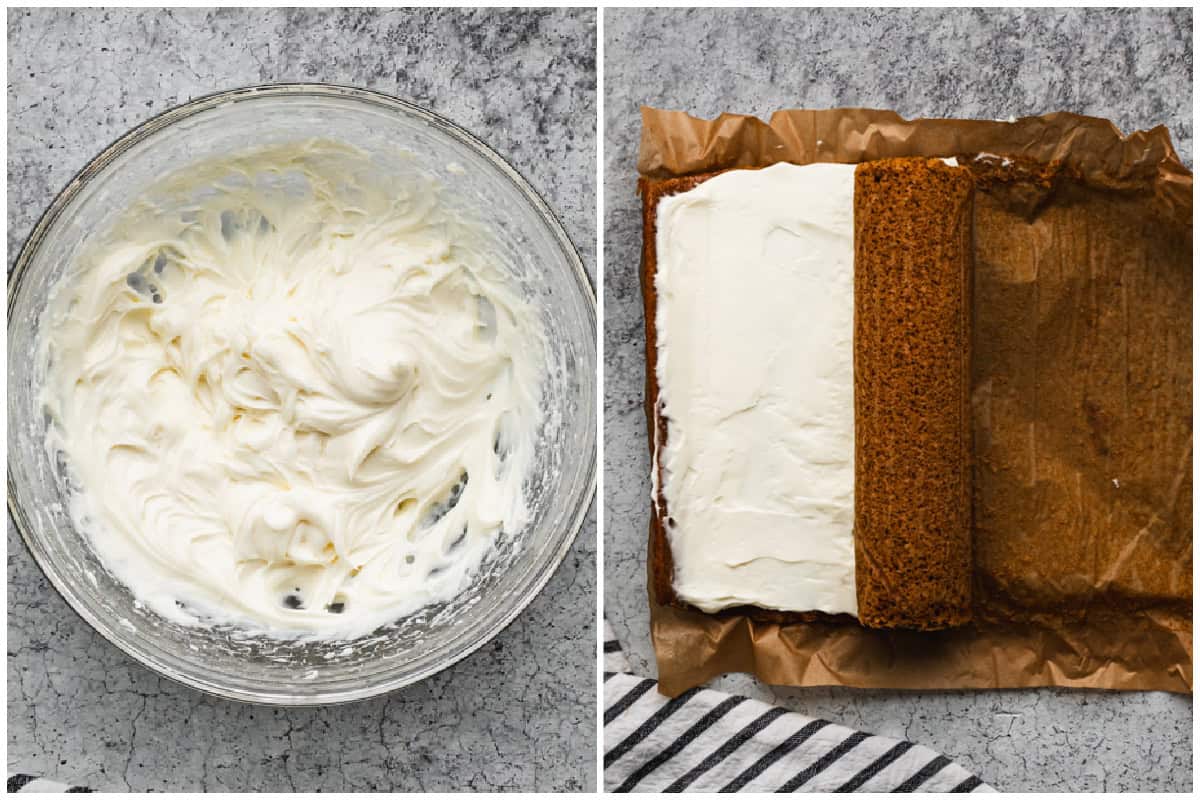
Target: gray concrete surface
[
  {"x": 517, "y": 715},
  {"x": 1134, "y": 67}
]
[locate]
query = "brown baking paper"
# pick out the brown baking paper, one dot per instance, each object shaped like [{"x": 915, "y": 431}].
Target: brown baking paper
[{"x": 1081, "y": 404}]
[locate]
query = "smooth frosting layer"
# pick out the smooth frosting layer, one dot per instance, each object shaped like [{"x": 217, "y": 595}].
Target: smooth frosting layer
[
  {"x": 296, "y": 393},
  {"x": 755, "y": 313}
]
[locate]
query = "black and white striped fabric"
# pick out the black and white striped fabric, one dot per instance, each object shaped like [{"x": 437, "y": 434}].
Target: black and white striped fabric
[
  {"x": 708, "y": 741},
  {"x": 20, "y": 782}
]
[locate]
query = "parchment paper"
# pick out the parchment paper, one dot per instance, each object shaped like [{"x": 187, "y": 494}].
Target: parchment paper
[{"x": 1081, "y": 403}]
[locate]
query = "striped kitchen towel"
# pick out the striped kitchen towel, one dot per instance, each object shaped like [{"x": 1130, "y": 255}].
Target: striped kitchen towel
[
  {"x": 20, "y": 782},
  {"x": 708, "y": 741}
]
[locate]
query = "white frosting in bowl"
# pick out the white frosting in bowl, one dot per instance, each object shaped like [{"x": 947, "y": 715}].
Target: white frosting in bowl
[{"x": 296, "y": 394}]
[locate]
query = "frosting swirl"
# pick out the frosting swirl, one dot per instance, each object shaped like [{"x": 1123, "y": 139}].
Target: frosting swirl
[{"x": 295, "y": 393}]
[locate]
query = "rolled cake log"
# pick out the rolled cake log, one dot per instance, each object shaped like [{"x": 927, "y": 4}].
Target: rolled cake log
[{"x": 912, "y": 350}]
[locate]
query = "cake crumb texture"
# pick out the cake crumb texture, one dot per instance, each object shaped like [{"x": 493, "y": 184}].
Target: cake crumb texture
[{"x": 912, "y": 297}]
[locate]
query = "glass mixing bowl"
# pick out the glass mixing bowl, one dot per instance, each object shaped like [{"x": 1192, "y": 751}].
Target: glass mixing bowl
[{"x": 235, "y": 663}]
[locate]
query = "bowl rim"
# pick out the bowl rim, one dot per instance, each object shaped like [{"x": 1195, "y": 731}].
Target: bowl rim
[{"x": 140, "y": 133}]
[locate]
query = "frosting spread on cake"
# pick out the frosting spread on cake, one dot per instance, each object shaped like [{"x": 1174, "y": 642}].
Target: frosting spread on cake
[{"x": 755, "y": 369}]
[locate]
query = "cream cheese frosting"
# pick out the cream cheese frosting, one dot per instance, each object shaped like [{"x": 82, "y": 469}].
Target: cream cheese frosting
[
  {"x": 296, "y": 394},
  {"x": 755, "y": 368}
]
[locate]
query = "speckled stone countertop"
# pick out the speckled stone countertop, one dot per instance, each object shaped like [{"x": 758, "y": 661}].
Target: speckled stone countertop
[
  {"x": 1133, "y": 67},
  {"x": 517, "y": 715}
]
